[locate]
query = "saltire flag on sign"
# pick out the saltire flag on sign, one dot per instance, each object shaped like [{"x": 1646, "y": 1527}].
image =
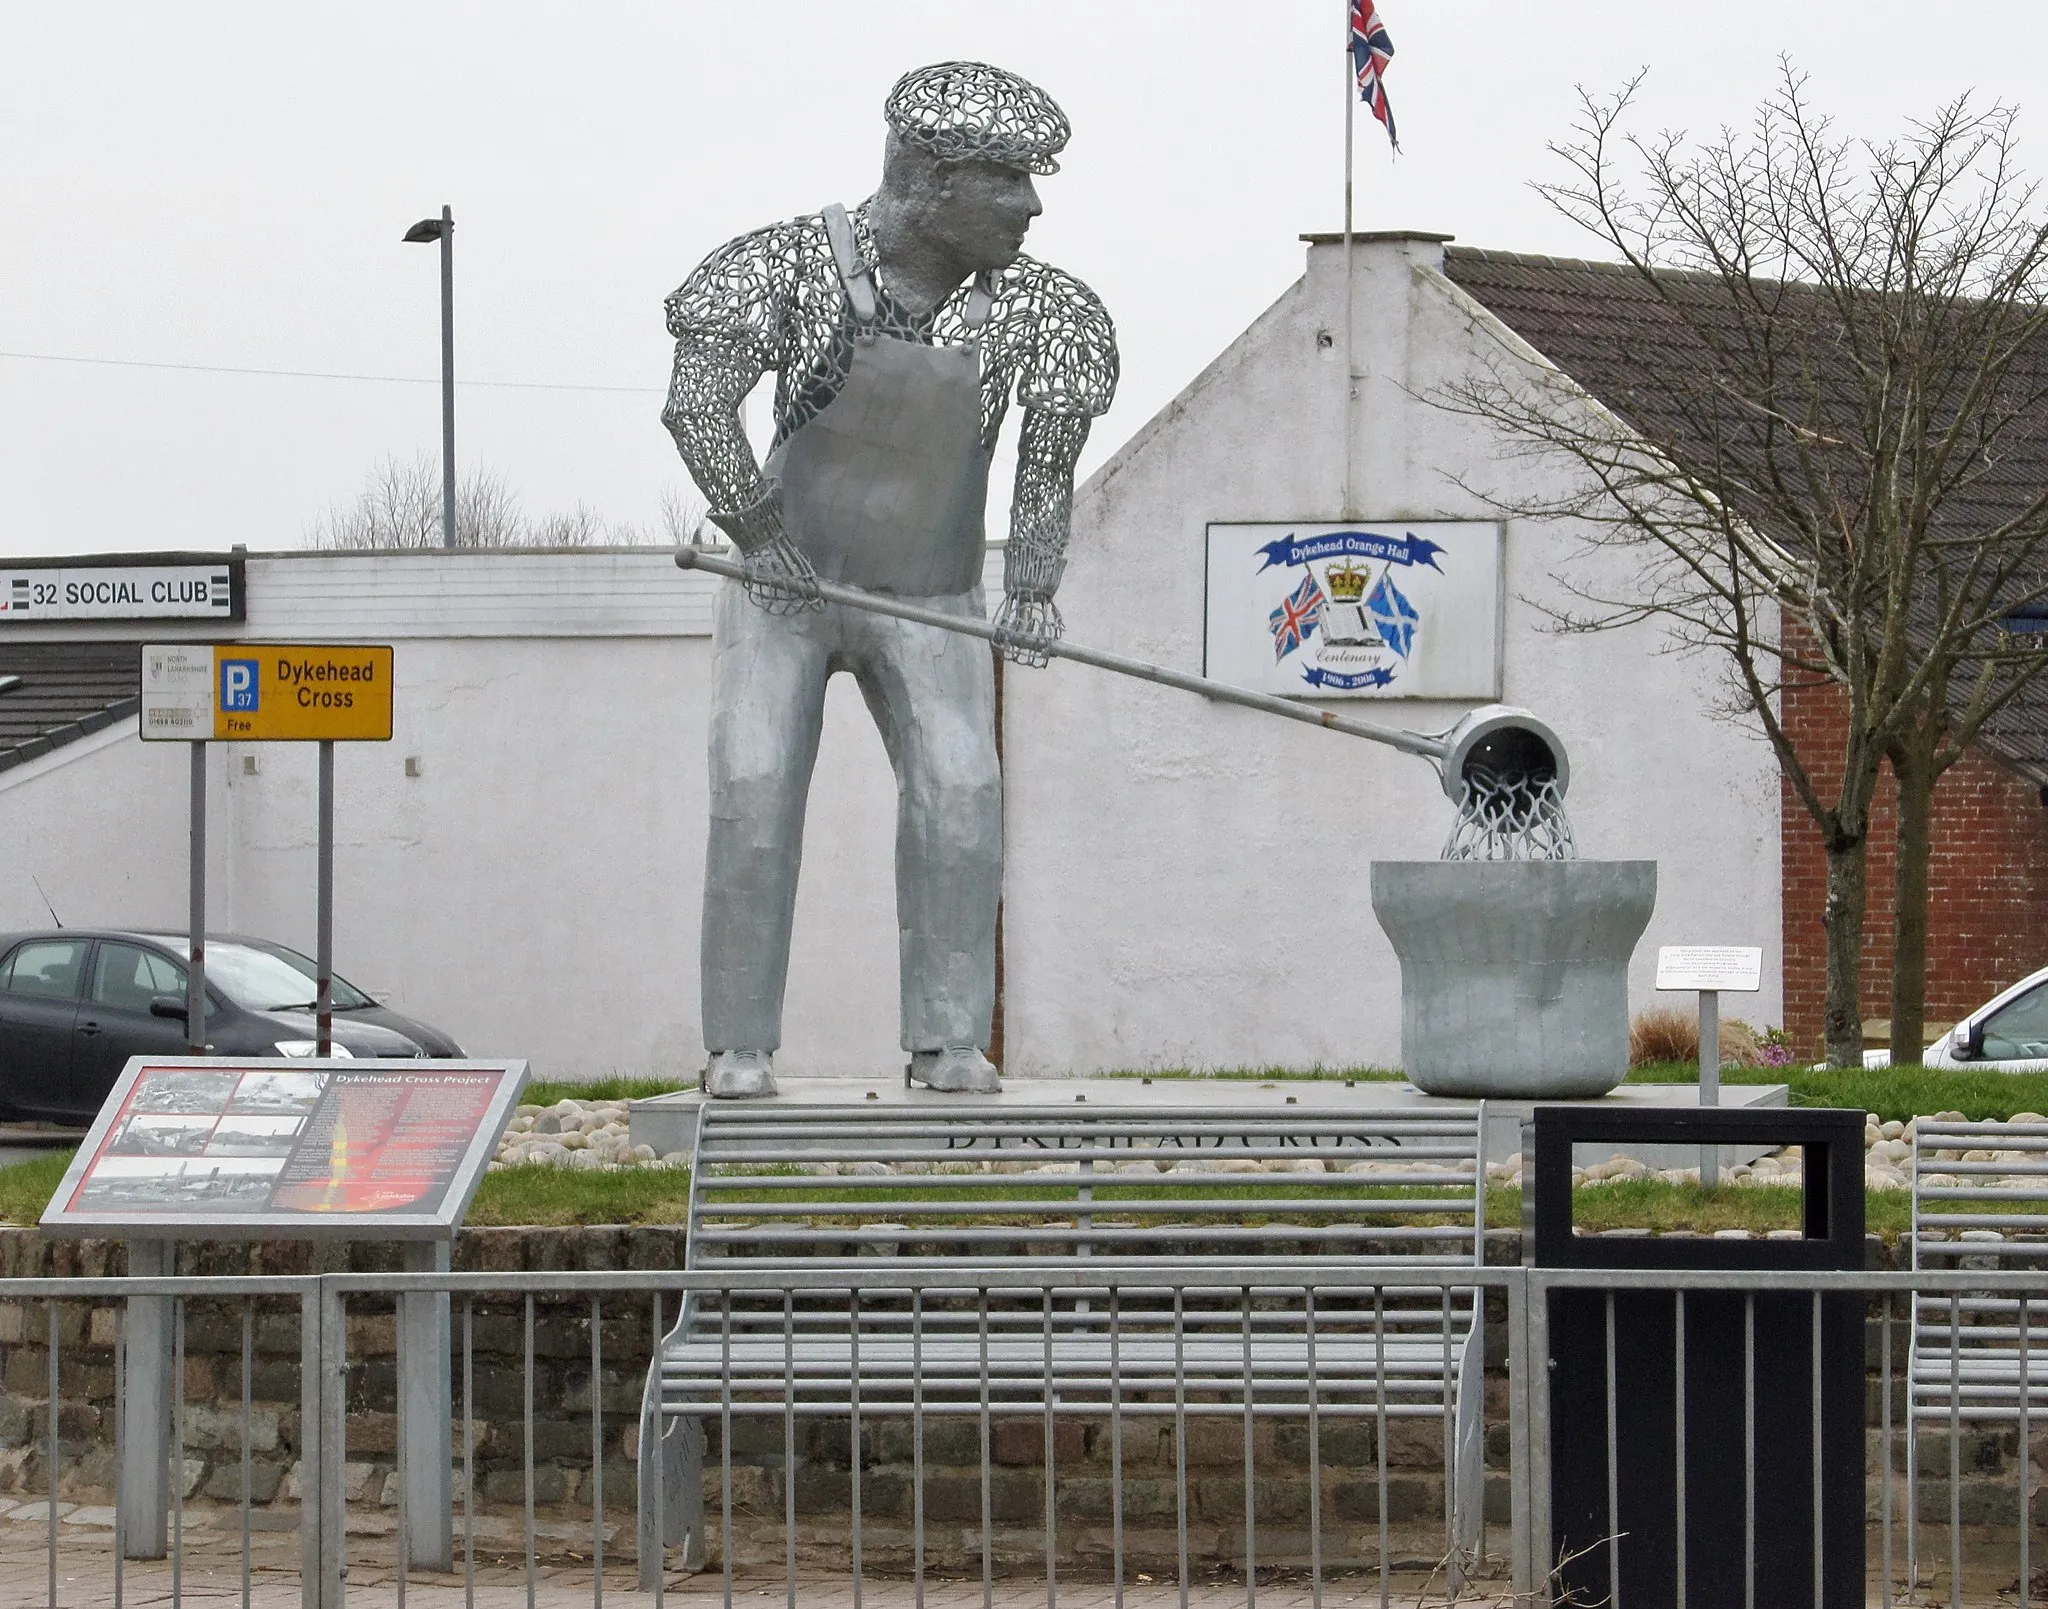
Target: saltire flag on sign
[
  {"x": 1393, "y": 615},
  {"x": 1371, "y": 50},
  {"x": 1298, "y": 615}
]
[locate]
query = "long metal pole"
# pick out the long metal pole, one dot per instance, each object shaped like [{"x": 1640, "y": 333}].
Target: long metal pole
[
  {"x": 1710, "y": 1078},
  {"x": 323, "y": 954},
  {"x": 448, "y": 533},
  {"x": 195, "y": 974},
  {"x": 1430, "y": 748},
  {"x": 1350, "y": 320}
]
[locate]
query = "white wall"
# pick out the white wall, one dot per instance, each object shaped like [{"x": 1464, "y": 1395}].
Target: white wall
[
  {"x": 1188, "y": 882},
  {"x": 101, "y": 824},
  {"x": 536, "y": 889}
]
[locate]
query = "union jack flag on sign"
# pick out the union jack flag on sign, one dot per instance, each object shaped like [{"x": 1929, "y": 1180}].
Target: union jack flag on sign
[
  {"x": 1298, "y": 615},
  {"x": 1371, "y": 50}
]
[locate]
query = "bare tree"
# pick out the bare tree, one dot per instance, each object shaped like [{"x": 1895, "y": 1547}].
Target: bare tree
[
  {"x": 581, "y": 527},
  {"x": 400, "y": 507},
  {"x": 1803, "y": 427},
  {"x": 684, "y": 521}
]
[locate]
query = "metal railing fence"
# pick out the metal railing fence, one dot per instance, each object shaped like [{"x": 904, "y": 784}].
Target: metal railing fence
[{"x": 1317, "y": 1482}]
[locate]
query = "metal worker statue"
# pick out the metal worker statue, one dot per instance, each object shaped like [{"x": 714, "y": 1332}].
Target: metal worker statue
[{"x": 897, "y": 333}]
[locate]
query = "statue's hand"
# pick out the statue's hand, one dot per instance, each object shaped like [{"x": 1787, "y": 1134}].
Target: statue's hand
[
  {"x": 780, "y": 579},
  {"x": 1025, "y": 622}
]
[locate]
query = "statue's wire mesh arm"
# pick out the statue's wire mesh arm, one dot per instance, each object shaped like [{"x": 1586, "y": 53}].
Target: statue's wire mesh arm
[
  {"x": 1041, "y": 518},
  {"x": 713, "y": 375}
]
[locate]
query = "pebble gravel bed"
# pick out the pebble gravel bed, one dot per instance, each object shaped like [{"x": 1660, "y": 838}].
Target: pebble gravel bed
[
  {"x": 595, "y": 1135},
  {"x": 576, "y": 1134},
  {"x": 1887, "y": 1161}
]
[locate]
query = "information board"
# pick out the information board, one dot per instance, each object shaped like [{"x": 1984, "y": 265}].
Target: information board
[
  {"x": 173, "y": 588},
  {"x": 210, "y": 1148},
  {"x": 266, "y": 692},
  {"x": 1738, "y": 967},
  {"x": 1364, "y": 610}
]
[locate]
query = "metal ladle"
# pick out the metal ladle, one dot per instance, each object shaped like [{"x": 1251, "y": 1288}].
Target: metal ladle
[{"x": 1500, "y": 741}]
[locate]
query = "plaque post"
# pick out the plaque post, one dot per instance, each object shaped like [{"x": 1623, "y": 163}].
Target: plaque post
[
  {"x": 145, "y": 1472},
  {"x": 1710, "y": 1078},
  {"x": 323, "y": 963},
  {"x": 323, "y": 1429},
  {"x": 195, "y": 973},
  {"x": 423, "y": 1381},
  {"x": 1710, "y": 970}
]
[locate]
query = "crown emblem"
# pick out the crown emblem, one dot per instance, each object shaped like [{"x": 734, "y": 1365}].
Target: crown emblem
[{"x": 1346, "y": 582}]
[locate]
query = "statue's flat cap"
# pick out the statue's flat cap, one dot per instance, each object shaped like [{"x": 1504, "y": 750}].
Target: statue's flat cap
[{"x": 967, "y": 109}]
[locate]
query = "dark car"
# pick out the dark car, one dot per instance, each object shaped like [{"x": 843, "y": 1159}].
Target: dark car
[{"x": 76, "y": 1004}]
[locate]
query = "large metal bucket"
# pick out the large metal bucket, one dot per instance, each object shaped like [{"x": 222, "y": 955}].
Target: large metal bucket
[{"x": 1514, "y": 974}]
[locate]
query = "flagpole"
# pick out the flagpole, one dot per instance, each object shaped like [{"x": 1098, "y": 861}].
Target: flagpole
[{"x": 1350, "y": 366}]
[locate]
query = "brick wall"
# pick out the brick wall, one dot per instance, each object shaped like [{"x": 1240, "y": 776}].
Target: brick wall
[{"x": 1988, "y": 883}]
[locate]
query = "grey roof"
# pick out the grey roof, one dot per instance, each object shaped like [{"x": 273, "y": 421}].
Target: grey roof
[
  {"x": 1614, "y": 335},
  {"x": 66, "y": 689}
]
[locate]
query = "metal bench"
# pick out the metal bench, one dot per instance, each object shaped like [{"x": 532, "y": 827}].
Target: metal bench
[
  {"x": 1966, "y": 1357},
  {"x": 1075, "y": 1211},
  {"x": 1981, "y": 1359}
]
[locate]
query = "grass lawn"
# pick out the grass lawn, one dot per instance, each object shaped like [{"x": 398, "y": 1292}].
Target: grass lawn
[
  {"x": 1891, "y": 1092},
  {"x": 545, "y": 1092},
  {"x": 26, "y": 1187},
  {"x": 536, "y": 1194},
  {"x": 552, "y": 1196},
  {"x": 560, "y": 1196}
]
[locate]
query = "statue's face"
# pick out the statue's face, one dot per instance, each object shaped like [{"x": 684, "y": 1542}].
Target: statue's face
[{"x": 981, "y": 212}]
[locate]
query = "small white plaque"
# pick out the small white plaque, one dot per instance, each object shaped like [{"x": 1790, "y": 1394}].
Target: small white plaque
[
  {"x": 1737, "y": 967},
  {"x": 177, "y": 691}
]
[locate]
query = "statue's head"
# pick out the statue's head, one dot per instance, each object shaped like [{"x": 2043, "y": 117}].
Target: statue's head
[{"x": 964, "y": 141}]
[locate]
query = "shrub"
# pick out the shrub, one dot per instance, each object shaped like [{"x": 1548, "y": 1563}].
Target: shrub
[
  {"x": 1774, "y": 1048},
  {"x": 1664, "y": 1034},
  {"x": 1669, "y": 1034}
]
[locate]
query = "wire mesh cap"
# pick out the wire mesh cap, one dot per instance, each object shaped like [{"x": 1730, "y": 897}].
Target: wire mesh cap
[{"x": 968, "y": 109}]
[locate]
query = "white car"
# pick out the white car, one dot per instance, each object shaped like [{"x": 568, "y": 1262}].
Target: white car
[{"x": 2007, "y": 1035}]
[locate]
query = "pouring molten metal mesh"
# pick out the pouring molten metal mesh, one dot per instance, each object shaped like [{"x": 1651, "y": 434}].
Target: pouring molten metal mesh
[{"x": 1507, "y": 784}]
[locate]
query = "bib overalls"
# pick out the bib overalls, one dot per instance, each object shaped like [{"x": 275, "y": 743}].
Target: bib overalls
[{"x": 883, "y": 489}]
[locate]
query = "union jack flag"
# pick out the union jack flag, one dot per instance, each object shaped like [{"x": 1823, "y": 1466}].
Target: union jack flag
[
  {"x": 1371, "y": 50},
  {"x": 1298, "y": 615}
]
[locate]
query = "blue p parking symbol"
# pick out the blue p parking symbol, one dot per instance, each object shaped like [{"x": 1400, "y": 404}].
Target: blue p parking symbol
[{"x": 238, "y": 690}]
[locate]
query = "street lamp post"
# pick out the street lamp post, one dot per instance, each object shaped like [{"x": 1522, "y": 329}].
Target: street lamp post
[{"x": 443, "y": 230}]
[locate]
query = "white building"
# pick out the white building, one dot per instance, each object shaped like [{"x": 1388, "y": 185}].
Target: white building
[{"x": 1186, "y": 881}]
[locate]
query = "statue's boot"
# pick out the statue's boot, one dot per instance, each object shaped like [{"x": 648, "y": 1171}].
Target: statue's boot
[
  {"x": 956, "y": 1069},
  {"x": 738, "y": 1074}
]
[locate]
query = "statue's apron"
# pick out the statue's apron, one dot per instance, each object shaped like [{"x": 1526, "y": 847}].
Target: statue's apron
[{"x": 885, "y": 488}]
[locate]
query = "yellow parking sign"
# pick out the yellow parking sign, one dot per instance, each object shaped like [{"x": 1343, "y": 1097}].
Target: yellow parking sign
[{"x": 267, "y": 692}]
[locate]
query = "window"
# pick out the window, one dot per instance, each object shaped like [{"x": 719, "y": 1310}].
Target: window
[
  {"x": 46, "y": 969},
  {"x": 2018, "y": 1031},
  {"x": 129, "y": 977},
  {"x": 269, "y": 979}
]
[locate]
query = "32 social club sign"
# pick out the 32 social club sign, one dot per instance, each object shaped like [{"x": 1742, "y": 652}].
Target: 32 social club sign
[{"x": 1360, "y": 610}]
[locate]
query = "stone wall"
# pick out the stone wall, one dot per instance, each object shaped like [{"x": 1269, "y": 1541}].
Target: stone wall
[{"x": 564, "y": 1482}]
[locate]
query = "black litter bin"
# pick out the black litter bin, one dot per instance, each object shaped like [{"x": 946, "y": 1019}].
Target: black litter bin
[{"x": 1738, "y": 1392}]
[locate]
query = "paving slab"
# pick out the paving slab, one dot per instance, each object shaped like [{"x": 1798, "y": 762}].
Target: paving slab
[{"x": 668, "y": 1122}]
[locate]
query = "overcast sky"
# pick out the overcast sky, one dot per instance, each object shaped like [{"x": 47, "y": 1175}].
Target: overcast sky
[{"x": 226, "y": 185}]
